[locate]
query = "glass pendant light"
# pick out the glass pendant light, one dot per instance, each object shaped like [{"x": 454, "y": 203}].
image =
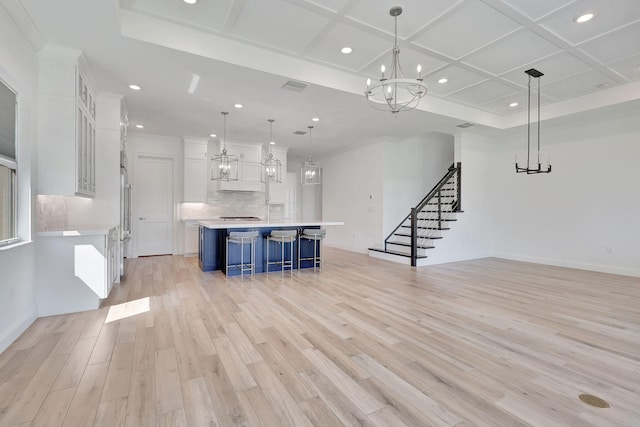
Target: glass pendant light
[
  {"x": 310, "y": 172},
  {"x": 224, "y": 166},
  {"x": 271, "y": 166}
]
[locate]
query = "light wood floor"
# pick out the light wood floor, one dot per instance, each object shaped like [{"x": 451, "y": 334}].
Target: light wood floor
[{"x": 365, "y": 342}]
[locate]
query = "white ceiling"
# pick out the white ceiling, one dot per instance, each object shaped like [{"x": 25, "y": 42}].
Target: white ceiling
[{"x": 245, "y": 50}]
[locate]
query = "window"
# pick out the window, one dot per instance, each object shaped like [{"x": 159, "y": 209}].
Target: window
[{"x": 8, "y": 166}]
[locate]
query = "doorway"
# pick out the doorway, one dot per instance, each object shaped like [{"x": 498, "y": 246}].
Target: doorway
[{"x": 153, "y": 192}]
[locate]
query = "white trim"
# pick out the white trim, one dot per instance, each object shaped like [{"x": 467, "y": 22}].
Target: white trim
[
  {"x": 10, "y": 163},
  {"x": 15, "y": 244},
  {"x": 8, "y": 336},
  {"x": 345, "y": 248},
  {"x": 23, "y": 21},
  {"x": 624, "y": 271}
]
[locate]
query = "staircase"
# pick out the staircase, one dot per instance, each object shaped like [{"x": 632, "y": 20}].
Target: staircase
[{"x": 423, "y": 226}]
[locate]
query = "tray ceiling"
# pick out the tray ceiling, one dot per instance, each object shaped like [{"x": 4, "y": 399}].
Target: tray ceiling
[{"x": 482, "y": 47}]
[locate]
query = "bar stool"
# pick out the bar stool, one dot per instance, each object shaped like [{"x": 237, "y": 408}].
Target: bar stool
[
  {"x": 283, "y": 237},
  {"x": 242, "y": 238},
  {"x": 316, "y": 235}
]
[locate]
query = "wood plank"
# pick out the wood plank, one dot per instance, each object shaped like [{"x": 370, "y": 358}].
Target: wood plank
[
  {"x": 27, "y": 402},
  {"x": 87, "y": 398},
  {"x": 485, "y": 342},
  {"x": 176, "y": 418},
  {"x": 54, "y": 408},
  {"x": 111, "y": 413},
  {"x": 225, "y": 399},
  {"x": 75, "y": 365},
  {"x": 233, "y": 365},
  {"x": 288, "y": 412},
  {"x": 198, "y": 406},
  {"x": 119, "y": 374},
  {"x": 141, "y": 406},
  {"x": 168, "y": 394}
]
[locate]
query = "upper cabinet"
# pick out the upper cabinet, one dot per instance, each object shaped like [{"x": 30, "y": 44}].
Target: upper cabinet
[
  {"x": 195, "y": 170},
  {"x": 66, "y": 124},
  {"x": 248, "y": 171}
]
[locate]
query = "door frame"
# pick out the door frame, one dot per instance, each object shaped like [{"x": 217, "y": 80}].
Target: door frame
[{"x": 135, "y": 235}]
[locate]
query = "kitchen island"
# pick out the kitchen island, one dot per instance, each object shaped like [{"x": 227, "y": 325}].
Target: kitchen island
[{"x": 213, "y": 236}]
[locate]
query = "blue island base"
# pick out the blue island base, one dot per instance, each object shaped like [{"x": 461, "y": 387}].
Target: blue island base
[{"x": 213, "y": 250}]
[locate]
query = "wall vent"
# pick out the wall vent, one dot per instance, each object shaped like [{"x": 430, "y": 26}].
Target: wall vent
[
  {"x": 295, "y": 86},
  {"x": 299, "y": 132},
  {"x": 464, "y": 125}
]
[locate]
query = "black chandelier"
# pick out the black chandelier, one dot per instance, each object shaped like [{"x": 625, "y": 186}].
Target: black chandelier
[{"x": 528, "y": 169}]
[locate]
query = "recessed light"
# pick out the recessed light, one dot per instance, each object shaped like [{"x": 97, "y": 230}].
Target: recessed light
[
  {"x": 238, "y": 106},
  {"x": 443, "y": 80},
  {"x": 213, "y": 135},
  {"x": 346, "y": 50},
  {"x": 272, "y": 142},
  {"x": 513, "y": 104},
  {"x": 140, "y": 126},
  {"x": 315, "y": 119},
  {"x": 584, "y": 18},
  {"x": 134, "y": 87},
  {"x": 190, "y": 1}
]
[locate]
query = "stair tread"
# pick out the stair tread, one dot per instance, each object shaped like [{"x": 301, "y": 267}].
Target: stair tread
[
  {"x": 409, "y": 245},
  {"x": 427, "y": 228},
  {"x": 436, "y": 219},
  {"x": 423, "y": 237},
  {"x": 396, "y": 253}
]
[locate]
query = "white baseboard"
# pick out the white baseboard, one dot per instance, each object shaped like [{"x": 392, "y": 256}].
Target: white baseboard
[
  {"x": 345, "y": 248},
  {"x": 623, "y": 271},
  {"x": 390, "y": 257},
  {"x": 16, "y": 329}
]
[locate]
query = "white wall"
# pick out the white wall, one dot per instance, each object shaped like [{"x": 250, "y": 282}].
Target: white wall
[
  {"x": 372, "y": 188},
  {"x": 411, "y": 168},
  {"x": 162, "y": 146},
  {"x": 470, "y": 236},
  {"x": 349, "y": 179},
  {"x": 18, "y": 68},
  {"x": 590, "y": 201}
]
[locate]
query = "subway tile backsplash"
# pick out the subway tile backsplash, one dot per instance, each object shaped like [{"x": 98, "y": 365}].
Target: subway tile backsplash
[{"x": 231, "y": 203}]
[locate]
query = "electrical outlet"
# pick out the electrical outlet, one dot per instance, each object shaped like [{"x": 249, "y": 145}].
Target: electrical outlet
[{"x": 609, "y": 249}]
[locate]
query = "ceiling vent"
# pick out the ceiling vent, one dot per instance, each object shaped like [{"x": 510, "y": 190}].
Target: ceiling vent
[
  {"x": 299, "y": 132},
  {"x": 464, "y": 125},
  {"x": 295, "y": 86}
]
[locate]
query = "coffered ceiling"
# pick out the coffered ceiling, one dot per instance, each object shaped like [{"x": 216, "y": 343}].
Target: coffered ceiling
[{"x": 245, "y": 50}]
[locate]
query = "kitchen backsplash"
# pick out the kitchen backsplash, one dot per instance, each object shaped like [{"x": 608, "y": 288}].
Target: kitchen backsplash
[
  {"x": 231, "y": 203},
  {"x": 51, "y": 213}
]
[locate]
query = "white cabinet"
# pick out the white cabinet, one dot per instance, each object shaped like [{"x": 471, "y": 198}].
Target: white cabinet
[
  {"x": 278, "y": 190},
  {"x": 195, "y": 170},
  {"x": 191, "y": 238},
  {"x": 248, "y": 168},
  {"x": 76, "y": 269},
  {"x": 66, "y": 124}
]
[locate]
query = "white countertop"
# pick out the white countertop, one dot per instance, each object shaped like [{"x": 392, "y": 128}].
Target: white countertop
[
  {"x": 219, "y": 224},
  {"x": 88, "y": 230}
]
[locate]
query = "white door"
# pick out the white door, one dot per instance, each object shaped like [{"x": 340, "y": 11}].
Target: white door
[{"x": 154, "y": 205}]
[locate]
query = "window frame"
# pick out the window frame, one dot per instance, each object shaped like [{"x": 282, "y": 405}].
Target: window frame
[{"x": 12, "y": 165}]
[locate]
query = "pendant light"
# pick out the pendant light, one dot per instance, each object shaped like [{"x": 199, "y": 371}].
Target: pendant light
[
  {"x": 528, "y": 169},
  {"x": 224, "y": 166},
  {"x": 310, "y": 172},
  {"x": 271, "y": 167}
]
